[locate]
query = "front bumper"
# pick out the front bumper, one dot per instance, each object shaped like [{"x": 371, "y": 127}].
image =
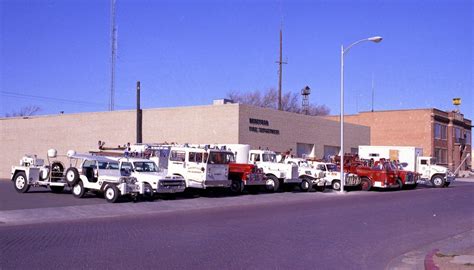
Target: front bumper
[
  {"x": 171, "y": 186},
  {"x": 127, "y": 188},
  {"x": 450, "y": 178},
  {"x": 379, "y": 184},
  {"x": 255, "y": 179},
  {"x": 352, "y": 181},
  {"x": 217, "y": 183},
  {"x": 292, "y": 181}
]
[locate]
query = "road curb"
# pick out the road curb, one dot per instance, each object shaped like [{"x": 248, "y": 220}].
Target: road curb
[{"x": 429, "y": 263}]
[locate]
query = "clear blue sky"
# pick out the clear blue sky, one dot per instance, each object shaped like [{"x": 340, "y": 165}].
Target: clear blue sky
[{"x": 191, "y": 52}]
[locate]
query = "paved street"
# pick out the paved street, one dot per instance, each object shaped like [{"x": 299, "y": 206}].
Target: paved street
[{"x": 291, "y": 230}]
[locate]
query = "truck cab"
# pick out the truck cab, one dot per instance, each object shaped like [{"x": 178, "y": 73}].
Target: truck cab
[
  {"x": 307, "y": 173},
  {"x": 278, "y": 174},
  {"x": 332, "y": 176},
  {"x": 439, "y": 176},
  {"x": 154, "y": 179}
]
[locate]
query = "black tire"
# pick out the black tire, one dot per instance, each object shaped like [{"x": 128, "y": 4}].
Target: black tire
[
  {"x": 237, "y": 186},
  {"x": 57, "y": 170},
  {"x": 336, "y": 185},
  {"x": 438, "y": 181},
  {"x": 306, "y": 185},
  {"x": 365, "y": 184},
  {"x": 272, "y": 184},
  {"x": 400, "y": 184},
  {"x": 320, "y": 188},
  {"x": 78, "y": 190},
  {"x": 111, "y": 193},
  {"x": 57, "y": 189},
  {"x": 72, "y": 176},
  {"x": 20, "y": 182},
  {"x": 149, "y": 194}
]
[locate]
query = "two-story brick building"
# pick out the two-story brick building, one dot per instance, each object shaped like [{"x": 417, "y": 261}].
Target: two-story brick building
[{"x": 444, "y": 135}]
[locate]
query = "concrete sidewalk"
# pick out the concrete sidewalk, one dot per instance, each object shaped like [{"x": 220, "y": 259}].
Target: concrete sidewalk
[{"x": 455, "y": 252}]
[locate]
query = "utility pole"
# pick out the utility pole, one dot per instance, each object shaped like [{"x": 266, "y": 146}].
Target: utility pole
[
  {"x": 280, "y": 63},
  {"x": 139, "y": 116},
  {"x": 113, "y": 42}
]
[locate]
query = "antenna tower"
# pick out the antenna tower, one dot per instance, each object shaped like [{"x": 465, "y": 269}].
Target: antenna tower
[{"x": 113, "y": 45}]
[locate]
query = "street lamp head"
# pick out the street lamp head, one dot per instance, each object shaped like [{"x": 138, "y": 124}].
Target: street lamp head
[{"x": 376, "y": 39}]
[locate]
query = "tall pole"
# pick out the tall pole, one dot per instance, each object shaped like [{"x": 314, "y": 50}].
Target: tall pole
[
  {"x": 280, "y": 62},
  {"x": 373, "y": 93},
  {"x": 113, "y": 42},
  {"x": 375, "y": 39},
  {"x": 139, "y": 115},
  {"x": 342, "y": 120}
]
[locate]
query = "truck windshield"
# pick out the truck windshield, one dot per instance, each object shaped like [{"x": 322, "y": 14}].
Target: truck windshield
[
  {"x": 332, "y": 167},
  {"x": 269, "y": 157},
  {"x": 304, "y": 164},
  {"x": 230, "y": 157},
  {"x": 108, "y": 165},
  {"x": 218, "y": 158},
  {"x": 145, "y": 166}
]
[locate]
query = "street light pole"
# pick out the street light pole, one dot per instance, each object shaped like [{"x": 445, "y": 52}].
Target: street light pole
[{"x": 375, "y": 39}]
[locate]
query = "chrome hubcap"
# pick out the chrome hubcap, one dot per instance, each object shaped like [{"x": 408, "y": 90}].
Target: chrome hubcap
[
  {"x": 20, "y": 182},
  {"x": 438, "y": 181},
  {"x": 305, "y": 184},
  {"x": 110, "y": 193},
  {"x": 77, "y": 189},
  {"x": 270, "y": 183}
]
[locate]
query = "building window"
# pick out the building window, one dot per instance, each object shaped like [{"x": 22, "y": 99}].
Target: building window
[
  {"x": 440, "y": 131},
  {"x": 330, "y": 150},
  {"x": 457, "y": 135},
  {"x": 468, "y": 137},
  {"x": 441, "y": 155}
]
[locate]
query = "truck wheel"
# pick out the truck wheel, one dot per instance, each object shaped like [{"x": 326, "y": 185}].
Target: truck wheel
[
  {"x": 112, "y": 193},
  {"x": 57, "y": 170},
  {"x": 20, "y": 183},
  {"x": 400, "y": 184},
  {"x": 149, "y": 195},
  {"x": 320, "y": 188},
  {"x": 56, "y": 189},
  {"x": 237, "y": 186},
  {"x": 78, "y": 190},
  {"x": 437, "y": 181},
  {"x": 272, "y": 184},
  {"x": 336, "y": 185},
  {"x": 365, "y": 184},
  {"x": 72, "y": 176},
  {"x": 306, "y": 185}
]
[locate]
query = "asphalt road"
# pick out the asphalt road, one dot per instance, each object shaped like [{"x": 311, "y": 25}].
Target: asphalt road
[{"x": 358, "y": 230}]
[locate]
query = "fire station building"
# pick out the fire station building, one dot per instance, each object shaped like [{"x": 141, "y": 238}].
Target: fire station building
[{"x": 221, "y": 122}]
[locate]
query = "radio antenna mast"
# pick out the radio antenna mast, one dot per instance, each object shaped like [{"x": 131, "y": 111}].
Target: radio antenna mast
[
  {"x": 280, "y": 61},
  {"x": 113, "y": 46}
]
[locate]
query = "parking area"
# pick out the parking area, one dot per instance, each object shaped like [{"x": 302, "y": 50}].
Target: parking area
[{"x": 17, "y": 208}]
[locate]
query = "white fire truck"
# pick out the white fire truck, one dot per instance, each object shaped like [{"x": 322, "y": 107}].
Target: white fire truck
[
  {"x": 308, "y": 174},
  {"x": 330, "y": 172},
  {"x": 201, "y": 167}
]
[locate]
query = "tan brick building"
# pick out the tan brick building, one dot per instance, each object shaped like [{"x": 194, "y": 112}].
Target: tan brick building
[
  {"x": 220, "y": 123},
  {"x": 441, "y": 134}
]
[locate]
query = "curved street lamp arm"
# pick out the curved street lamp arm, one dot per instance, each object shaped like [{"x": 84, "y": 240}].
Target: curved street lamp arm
[{"x": 355, "y": 43}]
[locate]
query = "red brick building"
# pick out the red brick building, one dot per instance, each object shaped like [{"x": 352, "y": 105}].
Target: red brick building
[{"x": 444, "y": 135}]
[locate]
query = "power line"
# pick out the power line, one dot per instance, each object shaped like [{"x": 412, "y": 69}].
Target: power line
[{"x": 78, "y": 102}]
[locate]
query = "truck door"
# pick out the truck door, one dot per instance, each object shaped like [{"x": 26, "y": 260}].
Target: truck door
[
  {"x": 195, "y": 169},
  {"x": 424, "y": 168},
  {"x": 177, "y": 164}
]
